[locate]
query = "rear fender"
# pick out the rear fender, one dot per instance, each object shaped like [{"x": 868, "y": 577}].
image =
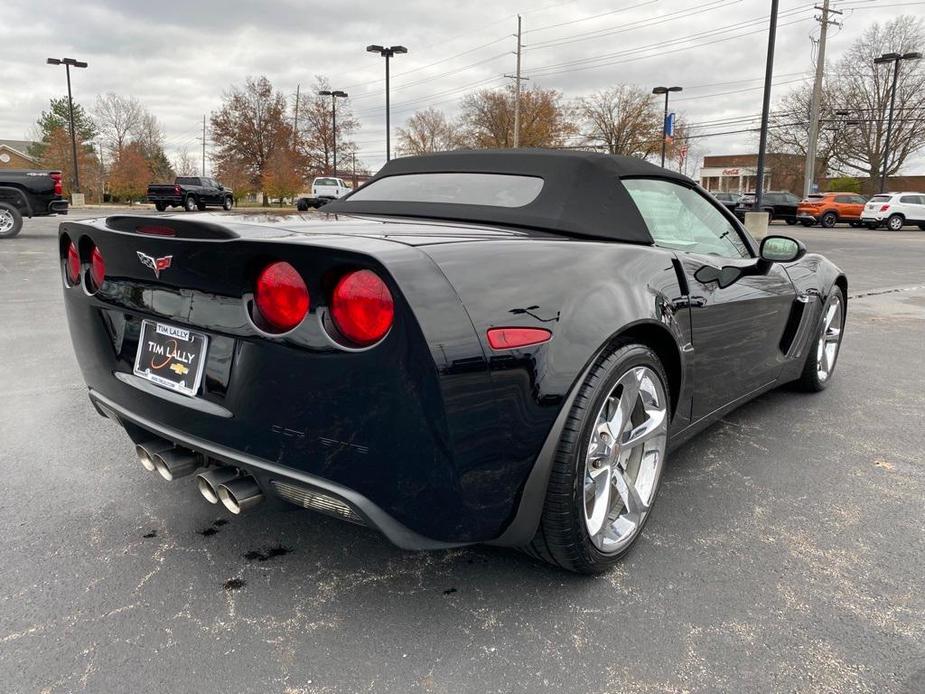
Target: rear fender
[{"x": 17, "y": 197}]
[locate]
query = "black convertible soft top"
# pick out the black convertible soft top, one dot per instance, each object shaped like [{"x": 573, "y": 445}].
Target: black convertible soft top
[{"x": 581, "y": 195}]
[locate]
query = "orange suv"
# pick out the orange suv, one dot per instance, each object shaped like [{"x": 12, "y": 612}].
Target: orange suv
[{"x": 829, "y": 208}]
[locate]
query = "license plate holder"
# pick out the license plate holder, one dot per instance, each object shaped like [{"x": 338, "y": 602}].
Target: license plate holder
[{"x": 171, "y": 357}]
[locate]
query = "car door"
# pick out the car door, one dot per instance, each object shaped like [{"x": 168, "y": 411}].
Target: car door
[
  {"x": 739, "y": 305},
  {"x": 211, "y": 191}
]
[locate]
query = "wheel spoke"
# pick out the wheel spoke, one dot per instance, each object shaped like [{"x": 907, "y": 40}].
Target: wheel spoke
[
  {"x": 832, "y": 335},
  {"x": 597, "y": 501},
  {"x": 630, "y": 383},
  {"x": 626, "y": 488},
  {"x": 653, "y": 426}
]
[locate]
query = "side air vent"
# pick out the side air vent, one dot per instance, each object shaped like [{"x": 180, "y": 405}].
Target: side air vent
[
  {"x": 317, "y": 501},
  {"x": 788, "y": 341}
]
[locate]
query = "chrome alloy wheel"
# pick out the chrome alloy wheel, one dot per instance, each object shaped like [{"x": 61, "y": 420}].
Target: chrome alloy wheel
[
  {"x": 624, "y": 459},
  {"x": 829, "y": 340},
  {"x": 6, "y": 221}
]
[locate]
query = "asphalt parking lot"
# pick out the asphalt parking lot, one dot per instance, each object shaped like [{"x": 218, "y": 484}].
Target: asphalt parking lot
[{"x": 785, "y": 552}]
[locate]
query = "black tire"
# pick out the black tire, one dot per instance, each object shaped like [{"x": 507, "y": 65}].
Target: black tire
[
  {"x": 190, "y": 203},
  {"x": 227, "y": 203},
  {"x": 201, "y": 206},
  {"x": 807, "y": 222},
  {"x": 871, "y": 225},
  {"x": 562, "y": 538},
  {"x": 855, "y": 224},
  {"x": 809, "y": 381},
  {"x": 301, "y": 206},
  {"x": 791, "y": 221},
  {"x": 10, "y": 220},
  {"x": 895, "y": 222},
  {"x": 828, "y": 220},
  {"x": 922, "y": 227},
  {"x": 160, "y": 206}
]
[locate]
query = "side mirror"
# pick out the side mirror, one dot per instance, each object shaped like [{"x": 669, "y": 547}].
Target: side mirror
[{"x": 781, "y": 249}]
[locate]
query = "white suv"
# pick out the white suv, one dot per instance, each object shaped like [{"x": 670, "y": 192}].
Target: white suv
[{"x": 894, "y": 210}]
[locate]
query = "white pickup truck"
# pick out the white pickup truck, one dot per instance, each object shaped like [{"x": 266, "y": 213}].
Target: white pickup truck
[{"x": 324, "y": 189}]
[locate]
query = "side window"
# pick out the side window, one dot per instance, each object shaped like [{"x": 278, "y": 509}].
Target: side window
[
  {"x": 909, "y": 199},
  {"x": 682, "y": 219},
  {"x": 843, "y": 198}
]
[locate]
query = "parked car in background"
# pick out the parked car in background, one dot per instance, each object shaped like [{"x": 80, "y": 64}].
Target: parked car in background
[
  {"x": 894, "y": 210},
  {"x": 324, "y": 189},
  {"x": 729, "y": 200},
  {"x": 778, "y": 204},
  {"x": 28, "y": 193},
  {"x": 828, "y": 209},
  {"x": 190, "y": 193}
]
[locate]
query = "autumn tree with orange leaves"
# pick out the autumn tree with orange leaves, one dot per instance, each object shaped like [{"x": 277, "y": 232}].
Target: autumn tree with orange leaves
[
  {"x": 130, "y": 173},
  {"x": 488, "y": 118},
  {"x": 282, "y": 178}
]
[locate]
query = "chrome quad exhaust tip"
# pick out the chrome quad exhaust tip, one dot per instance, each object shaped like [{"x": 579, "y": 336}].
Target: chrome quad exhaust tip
[
  {"x": 240, "y": 494},
  {"x": 176, "y": 462},
  {"x": 147, "y": 450},
  {"x": 208, "y": 481}
]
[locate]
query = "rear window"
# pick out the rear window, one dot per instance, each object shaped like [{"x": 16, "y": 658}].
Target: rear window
[
  {"x": 880, "y": 198},
  {"x": 181, "y": 181},
  {"x": 325, "y": 181},
  {"x": 496, "y": 190}
]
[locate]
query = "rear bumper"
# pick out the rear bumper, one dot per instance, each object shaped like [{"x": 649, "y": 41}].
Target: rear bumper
[
  {"x": 267, "y": 472},
  {"x": 807, "y": 217},
  {"x": 872, "y": 220},
  {"x": 57, "y": 207},
  {"x": 168, "y": 199}
]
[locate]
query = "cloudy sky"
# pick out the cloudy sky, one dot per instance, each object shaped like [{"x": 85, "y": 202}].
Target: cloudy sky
[{"x": 178, "y": 57}]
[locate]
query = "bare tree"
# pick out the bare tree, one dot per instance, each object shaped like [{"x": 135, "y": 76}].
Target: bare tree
[
  {"x": 150, "y": 139},
  {"x": 488, "y": 118},
  {"x": 250, "y": 127},
  {"x": 622, "y": 120},
  {"x": 855, "y": 106},
  {"x": 864, "y": 89},
  {"x": 429, "y": 131},
  {"x": 119, "y": 119},
  {"x": 184, "y": 164},
  {"x": 315, "y": 139}
]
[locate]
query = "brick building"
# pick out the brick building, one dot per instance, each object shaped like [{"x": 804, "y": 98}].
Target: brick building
[
  {"x": 14, "y": 155},
  {"x": 736, "y": 172}
]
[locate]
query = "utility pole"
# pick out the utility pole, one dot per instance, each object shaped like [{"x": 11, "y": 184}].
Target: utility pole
[
  {"x": 102, "y": 173},
  {"x": 766, "y": 106},
  {"x": 203, "y": 145},
  {"x": 809, "y": 175},
  {"x": 295, "y": 123},
  {"x": 517, "y": 80}
]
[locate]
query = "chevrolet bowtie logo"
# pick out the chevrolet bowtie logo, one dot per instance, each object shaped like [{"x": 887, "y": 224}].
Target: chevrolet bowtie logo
[{"x": 156, "y": 264}]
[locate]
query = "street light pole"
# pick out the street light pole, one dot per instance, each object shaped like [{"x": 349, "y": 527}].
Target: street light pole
[
  {"x": 68, "y": 62},
  {"x": 665, "y": 91},
  {"x": 766, "y": 107},
  {"x": 894, "y": 58},
  {"x": 334, "y": 96},
  {"x": 387, "y": 52}
]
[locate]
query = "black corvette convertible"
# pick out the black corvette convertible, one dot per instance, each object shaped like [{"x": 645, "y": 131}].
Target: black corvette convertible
[{"x": 496, "y": 347}]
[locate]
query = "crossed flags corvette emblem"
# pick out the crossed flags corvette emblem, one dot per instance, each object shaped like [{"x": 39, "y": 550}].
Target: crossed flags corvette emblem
[{"x": 156, "y": 264}]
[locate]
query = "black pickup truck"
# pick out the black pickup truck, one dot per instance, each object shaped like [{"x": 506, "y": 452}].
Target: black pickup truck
[
  {"x": 28, "y": 193},
  {"x": 191, "y": 193}
]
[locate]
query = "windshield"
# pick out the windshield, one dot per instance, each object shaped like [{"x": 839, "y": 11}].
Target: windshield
[{"x": 497, "y": 190}]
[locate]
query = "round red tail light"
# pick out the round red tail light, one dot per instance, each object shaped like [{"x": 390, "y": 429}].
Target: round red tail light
[
  {"x": 72, "y": 264},
  {"x": 362, "y": 307},
  {"x": 97, "y": 268},
  {"x": 281, "y": 296}
]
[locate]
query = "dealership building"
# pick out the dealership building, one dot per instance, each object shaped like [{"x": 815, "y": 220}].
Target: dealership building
[{"x": 736, "y": 173}]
